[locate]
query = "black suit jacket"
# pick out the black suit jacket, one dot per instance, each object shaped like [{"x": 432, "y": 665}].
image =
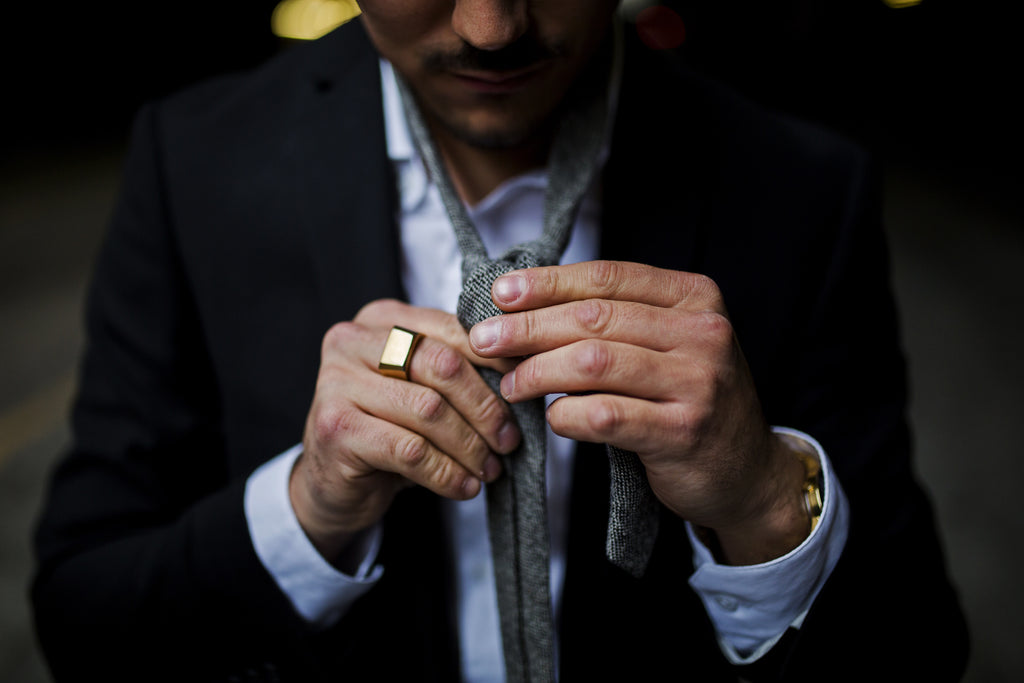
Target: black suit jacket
[{"x": 258, "y": 210}]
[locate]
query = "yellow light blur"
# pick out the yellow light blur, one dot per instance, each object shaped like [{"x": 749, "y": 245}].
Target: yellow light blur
[
  {"x": 310, "y": 19},
  {"x": 897, "y": 4}
]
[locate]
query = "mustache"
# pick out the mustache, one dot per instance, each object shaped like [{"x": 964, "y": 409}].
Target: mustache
[{"x": 524, "y": 52}]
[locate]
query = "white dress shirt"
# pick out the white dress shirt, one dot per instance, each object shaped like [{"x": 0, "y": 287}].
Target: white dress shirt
[{"x": 750, "y": 606}]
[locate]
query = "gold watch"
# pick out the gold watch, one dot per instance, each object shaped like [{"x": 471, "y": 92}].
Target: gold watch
[{"x": 813, "y": 488}]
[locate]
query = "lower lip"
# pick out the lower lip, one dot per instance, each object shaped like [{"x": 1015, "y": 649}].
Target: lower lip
[{"x": 500, "y": 86}]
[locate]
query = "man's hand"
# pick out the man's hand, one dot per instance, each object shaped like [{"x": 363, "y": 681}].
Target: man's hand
[
  {"x": 650, "y": 364},
  {"x": 367, "y": 435}
]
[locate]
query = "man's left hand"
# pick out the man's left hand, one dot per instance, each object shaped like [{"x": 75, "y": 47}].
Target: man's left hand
[{"x": 649, "y": 363}]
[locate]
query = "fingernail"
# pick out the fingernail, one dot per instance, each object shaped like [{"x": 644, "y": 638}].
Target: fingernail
[
  {"x": 508, "y": 385},
  {"x": 492, "y": 468},
  {"x": 508, "y": 437},
  {"x": 507, "y": 288},
  {"x": 471, "y": 487},
  {"x": 483, "y": 335}
]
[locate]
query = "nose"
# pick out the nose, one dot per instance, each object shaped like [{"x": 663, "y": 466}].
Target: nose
[{"x": 490, "y": 24}]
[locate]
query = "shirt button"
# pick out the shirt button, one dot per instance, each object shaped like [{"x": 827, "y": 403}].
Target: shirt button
[{"x": 727, "y": 602}]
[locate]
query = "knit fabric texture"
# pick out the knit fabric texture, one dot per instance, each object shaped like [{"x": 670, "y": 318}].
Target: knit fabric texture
[{"x": 516, "y": 502}]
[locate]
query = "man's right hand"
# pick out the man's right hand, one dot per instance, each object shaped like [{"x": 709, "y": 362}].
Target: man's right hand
[{"x": 368, "y": 436}]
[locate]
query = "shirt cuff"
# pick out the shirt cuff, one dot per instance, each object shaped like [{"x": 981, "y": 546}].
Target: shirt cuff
[
  {"x": 320, "y": 593},
  {"x": 752, "y": 606}
]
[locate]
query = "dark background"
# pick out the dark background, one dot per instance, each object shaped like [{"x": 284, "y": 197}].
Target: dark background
[
  {"x": 938, "y": 79},
  {"x": 931, "y": 89}
]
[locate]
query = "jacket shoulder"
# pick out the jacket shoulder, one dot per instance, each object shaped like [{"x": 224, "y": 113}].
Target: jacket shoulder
[
  {"x": 293, "y": 73},
  {"x": 726, "y": 129}
]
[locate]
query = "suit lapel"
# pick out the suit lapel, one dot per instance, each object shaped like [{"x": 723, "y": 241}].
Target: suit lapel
[{"x": 345, "y": 186}]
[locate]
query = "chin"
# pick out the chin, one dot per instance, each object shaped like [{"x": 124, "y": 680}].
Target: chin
[
  {"x": 492, "y": 139},
  {"x": 495, "y": 136},
  {"x": 489, "y": 132}
]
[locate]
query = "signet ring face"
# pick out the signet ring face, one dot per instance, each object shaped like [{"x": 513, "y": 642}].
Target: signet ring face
[{"x": 397, "y": 355}]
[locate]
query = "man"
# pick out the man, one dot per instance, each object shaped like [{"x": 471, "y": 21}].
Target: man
[{"x": 275, "y": 227}]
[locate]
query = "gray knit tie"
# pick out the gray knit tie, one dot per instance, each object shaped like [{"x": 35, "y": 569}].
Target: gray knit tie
[{"x": 517, "y": 502}]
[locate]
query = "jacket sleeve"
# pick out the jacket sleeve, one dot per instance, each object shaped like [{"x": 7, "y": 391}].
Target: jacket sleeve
[
  {"x": 144, "y": 563},
  {"x": 889, "y": 610}
]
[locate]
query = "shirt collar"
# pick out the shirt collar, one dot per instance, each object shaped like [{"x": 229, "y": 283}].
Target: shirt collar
[{"x": 399, "y": 139}]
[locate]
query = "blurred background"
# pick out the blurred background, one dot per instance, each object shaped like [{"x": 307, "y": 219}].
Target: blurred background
[{"x": 929, "y": 86}]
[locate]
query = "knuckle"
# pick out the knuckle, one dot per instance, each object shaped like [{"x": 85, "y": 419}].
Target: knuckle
[
  {"x": 689, "y": 421},
  {"x": 448, "y": 478},
  {"x": 605, "y": 276},
  {"x": 329, "y": 421},
  {"x": 474, "y": 449},
  {"x": 445, "y": 362},
  {"x": 528, "y": 374},
  {"x": 491, "y": 409},
  {"x": 427, "y": 406},
  {"x": 593, "y": 359},
  {"x": 594, "y": 316},
  {"x": 604, "y": 418},
  {"x": 340, "y": 334},
  {"x": 715, "y": 327},
  {"x": 412, "y": 451}
]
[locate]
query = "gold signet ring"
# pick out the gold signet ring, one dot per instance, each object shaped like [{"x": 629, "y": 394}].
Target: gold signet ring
[{"x": 397, "y": 355}]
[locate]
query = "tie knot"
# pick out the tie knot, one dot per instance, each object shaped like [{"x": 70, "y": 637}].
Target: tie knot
[
  {"x": 475, "y": 303},
  {"x": 478, "y": 275}
]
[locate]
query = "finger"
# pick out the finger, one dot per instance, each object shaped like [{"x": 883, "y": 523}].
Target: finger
[
  {"x": 632, "y": 424},
  {"x": 537, "y": 330},
  {"x": 446, "y": 400},
  {"x": 447, "y": 372},
  {"x": 425, "y": 412},
  {"x": 615, "y": 280},
  {"x": 431, "y": 322},
  {"x": 600, "y": 366},
  {"x": 375, "y": 445}
]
